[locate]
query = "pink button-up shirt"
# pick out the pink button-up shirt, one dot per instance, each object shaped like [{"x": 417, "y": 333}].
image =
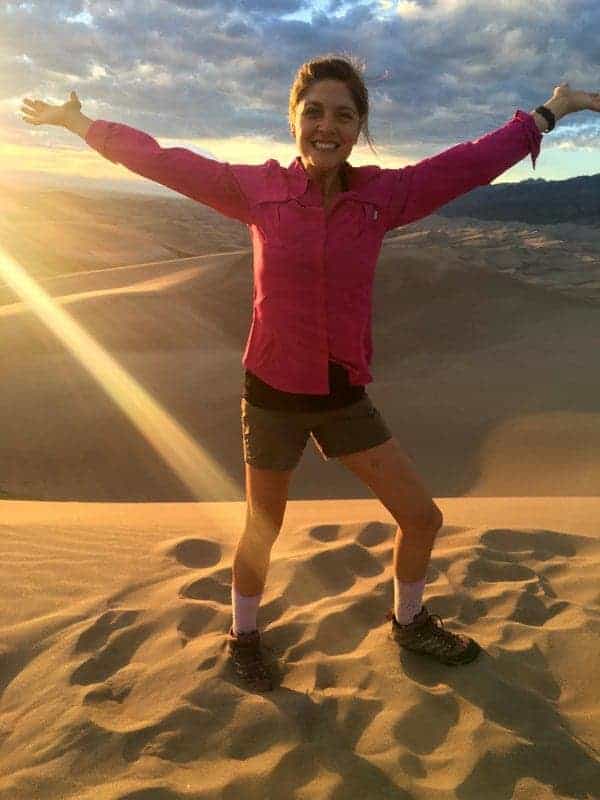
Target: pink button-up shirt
[{"x": 314, "y": 268}]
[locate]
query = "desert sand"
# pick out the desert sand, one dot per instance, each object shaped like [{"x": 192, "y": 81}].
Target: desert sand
[{"x": 115, "y": 595}]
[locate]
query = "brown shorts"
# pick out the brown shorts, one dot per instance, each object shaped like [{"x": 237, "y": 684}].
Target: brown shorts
[{"x": 276, "y": 439}]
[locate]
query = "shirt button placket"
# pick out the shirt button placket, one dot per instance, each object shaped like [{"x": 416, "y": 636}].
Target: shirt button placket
[{"x": 323, "y": 326}]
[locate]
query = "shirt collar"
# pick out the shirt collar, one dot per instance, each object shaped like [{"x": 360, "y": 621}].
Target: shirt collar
[{"x": 355, "y": 177}]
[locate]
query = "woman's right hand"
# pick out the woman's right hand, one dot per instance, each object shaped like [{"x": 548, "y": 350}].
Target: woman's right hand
[{"x": 36, "y": 112}]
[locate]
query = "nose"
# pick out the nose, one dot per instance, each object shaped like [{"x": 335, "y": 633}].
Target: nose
[
  {"x": 326, "y": 123},
  {"x": 327, "y": 129}
]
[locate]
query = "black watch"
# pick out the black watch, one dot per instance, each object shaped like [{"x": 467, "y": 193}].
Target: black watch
[{"x": 548, "y": 116}]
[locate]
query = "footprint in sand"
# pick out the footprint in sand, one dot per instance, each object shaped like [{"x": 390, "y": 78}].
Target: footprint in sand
[
  {"x": 542, "y": 544},
  {"x": 215, "y": 587},
  {"x": 376, "y": 533},
  {"x": 370, "y": 535},
  {"x": 207, "y": 588},
  {"x": 330, "y": 573},
  {"x": 97, "y": 635},
  {"x": 501, "y": 560},
  {"x": 325, "y": 533},
  {"x": 115, "y": 647},
  {"x": 196, "y": 553}
]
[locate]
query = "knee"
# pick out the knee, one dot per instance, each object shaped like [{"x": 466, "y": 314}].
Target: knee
[
  {"x": 429, "y": 520},
  {"x": 262, "y": 528},
  {"x": 426, "y": 520}
]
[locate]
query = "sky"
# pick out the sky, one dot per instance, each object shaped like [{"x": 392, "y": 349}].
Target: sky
[{"x": 215, "y": 76}]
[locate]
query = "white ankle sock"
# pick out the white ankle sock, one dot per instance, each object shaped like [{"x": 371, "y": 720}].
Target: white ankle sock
[
  {"x": 245, "y": 610},
  {"x": 407, "y": 600}
]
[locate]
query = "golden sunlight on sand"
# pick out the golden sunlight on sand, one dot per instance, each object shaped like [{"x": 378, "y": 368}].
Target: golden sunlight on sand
[
  {"x": 189, "y": 462},
  {"x": 120, "y": 378}
]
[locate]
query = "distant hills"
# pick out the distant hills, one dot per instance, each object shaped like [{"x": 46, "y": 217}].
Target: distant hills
[{"x": 535, "y": 201}]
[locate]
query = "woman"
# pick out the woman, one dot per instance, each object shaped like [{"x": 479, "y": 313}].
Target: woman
[{"x": 317, "y": 228}]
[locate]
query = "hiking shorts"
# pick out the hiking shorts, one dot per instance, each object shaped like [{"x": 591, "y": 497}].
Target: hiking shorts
[{"x": 274, "y": 439}]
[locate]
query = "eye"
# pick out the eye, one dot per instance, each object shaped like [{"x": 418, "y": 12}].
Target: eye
[{"x": 313, "y": 109}]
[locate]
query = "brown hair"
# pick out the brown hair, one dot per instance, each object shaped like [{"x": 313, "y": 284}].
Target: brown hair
[{"x": 344, "y": 68}]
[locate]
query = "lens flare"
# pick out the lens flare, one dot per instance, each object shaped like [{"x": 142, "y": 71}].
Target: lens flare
[{"x": 194, "y": 467}]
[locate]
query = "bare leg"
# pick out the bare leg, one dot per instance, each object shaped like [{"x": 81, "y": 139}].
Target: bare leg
[
  {"x": 392, "y": 477},
  {"x": 266, "y": 495},
  {"x": 412, "y": 551},
  {"x": 251, "y": 561}
]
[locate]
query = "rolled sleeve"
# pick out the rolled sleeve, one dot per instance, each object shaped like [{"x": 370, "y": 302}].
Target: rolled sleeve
[{"x": 421, "y": 188}]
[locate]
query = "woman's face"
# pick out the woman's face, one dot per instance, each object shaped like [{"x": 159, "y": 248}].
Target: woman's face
[{"x": 326, "y": 113}]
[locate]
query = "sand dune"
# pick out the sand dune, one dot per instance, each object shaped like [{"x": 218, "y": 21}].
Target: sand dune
[
  {"x": 115, "y": 602},
  {"x": 116, "y": 683},
  {"x": 471, "y": 365},
  {"x": 56, "y": 232}
]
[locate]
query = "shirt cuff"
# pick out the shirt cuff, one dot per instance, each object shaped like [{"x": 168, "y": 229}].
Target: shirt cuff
[
  {"x": 97, "y": 136},
  {"x": 534, "y": 135}
]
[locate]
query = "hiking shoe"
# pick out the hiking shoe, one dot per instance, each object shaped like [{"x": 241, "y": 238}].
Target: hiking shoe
[
  {"x": 426, "y": 635},
  {"x": 247, "y": 659}
]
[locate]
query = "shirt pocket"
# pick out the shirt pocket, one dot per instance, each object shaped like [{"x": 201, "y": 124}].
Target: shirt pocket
[
  {"x": 298, "y": 226},
  {"x": 285, "y": 223},
  {"x": 358, "y": 218},
  {"x": 371, "y": 216}
]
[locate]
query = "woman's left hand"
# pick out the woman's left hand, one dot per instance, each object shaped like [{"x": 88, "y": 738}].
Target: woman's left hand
[{"x": 577, "y": 100}]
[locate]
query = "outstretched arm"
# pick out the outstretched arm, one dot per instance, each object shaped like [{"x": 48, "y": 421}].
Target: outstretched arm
[
  {"x": 419, "y": 189},
  {"x": 78, "y": 123},
  {"x": 558, "y": 105},
  {"x": 226, "y": 188}
]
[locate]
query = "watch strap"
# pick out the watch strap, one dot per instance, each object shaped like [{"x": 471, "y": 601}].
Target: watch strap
[{"x": 548, "y": 116}]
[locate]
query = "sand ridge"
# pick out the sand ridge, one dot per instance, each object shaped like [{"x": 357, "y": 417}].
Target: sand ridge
[{"x": 470, "y": 365}]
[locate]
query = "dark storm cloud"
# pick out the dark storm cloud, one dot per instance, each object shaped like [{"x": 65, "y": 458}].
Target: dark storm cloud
[{"x": 223, "y": 68}]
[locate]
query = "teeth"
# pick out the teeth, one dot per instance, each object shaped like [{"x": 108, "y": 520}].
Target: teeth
[{"x": 320, "y": 146}]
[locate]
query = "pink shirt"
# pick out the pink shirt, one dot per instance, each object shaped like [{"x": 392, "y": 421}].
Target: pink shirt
[{"x": 314, "y": 269}]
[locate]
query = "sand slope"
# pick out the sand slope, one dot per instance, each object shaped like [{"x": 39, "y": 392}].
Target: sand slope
[
  {"x": 116, "y": 683},
  {"x": 114, "y": 680},
  {"x": 484, "y": 378}
]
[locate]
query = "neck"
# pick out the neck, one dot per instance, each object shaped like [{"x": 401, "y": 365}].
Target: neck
[{"x": 330, "y": 181}]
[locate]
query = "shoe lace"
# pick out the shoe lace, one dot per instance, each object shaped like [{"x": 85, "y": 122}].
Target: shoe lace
[
  {"x": 434, "y": 631},
  {"x": 446, "y": 638}
]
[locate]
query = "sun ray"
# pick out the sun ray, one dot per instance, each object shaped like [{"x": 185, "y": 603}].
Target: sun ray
[{"x": 195, "y": 468}]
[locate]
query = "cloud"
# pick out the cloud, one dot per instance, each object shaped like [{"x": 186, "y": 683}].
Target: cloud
[{"x": 187, "y": 70}]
